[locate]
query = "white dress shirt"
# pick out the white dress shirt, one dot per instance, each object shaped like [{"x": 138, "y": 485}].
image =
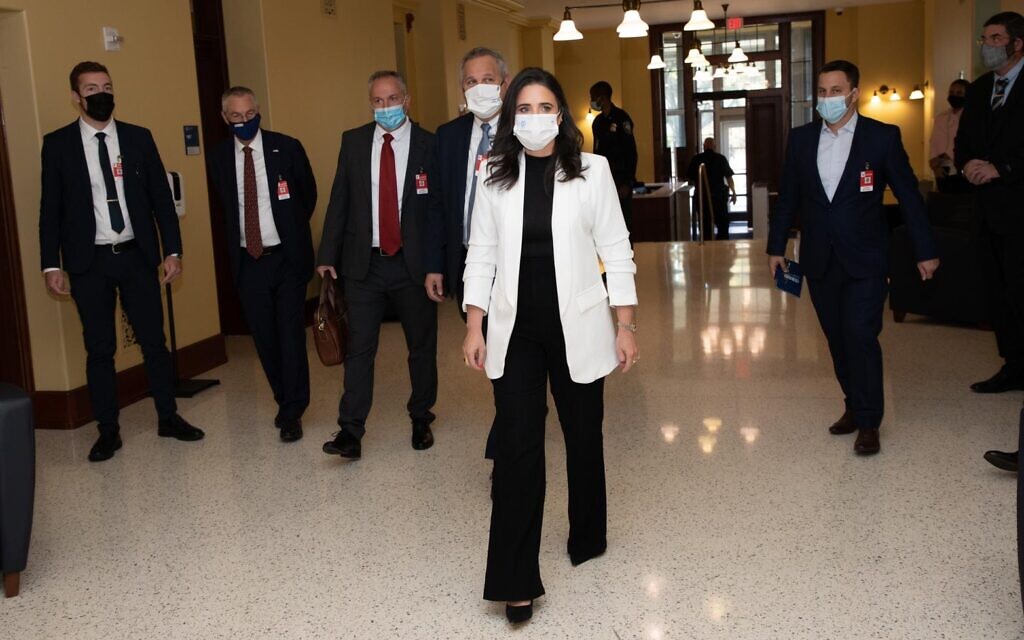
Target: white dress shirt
[
  {"x": 105, "y": 233},
  {"x": 944, "y": 136},
  {"x": 474, "y": 143},
  {"x": 268, "y": 229},
  {"x": 400, "y": 145},
  {"x": 1011, "y": 76},
  {"x": 833, "y": 152}
]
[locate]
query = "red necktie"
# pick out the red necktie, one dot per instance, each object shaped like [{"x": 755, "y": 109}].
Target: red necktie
[
  {"x": 253, "y": 235},
  {"x": 387, "y": 196}
]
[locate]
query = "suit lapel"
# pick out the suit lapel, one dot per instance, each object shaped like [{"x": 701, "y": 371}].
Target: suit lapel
[
  {"x": 511, "y": 213},
  {"x": 462, "y": 144},
  {"x": 852, "y": 160},
  {"x": 412, "y": 166},
  {"x": 81, "y": 166},
  {"x": 562, "y": 208},
  {"x": 820, "y": 192},
  {"x": 272, "y": 162}
]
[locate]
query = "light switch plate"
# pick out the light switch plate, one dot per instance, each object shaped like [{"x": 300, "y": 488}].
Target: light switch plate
[{"x": 111, "y": 39}]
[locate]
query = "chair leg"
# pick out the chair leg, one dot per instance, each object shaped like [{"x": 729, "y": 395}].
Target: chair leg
[
  {"x": 12, "y": 584},
  {"x": 899, "y": 316}
]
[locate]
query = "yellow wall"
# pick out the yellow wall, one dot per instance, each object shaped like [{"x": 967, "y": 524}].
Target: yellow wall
[
  {"x": 622, "y": 62},
  {"x": 155, "y": 83}
]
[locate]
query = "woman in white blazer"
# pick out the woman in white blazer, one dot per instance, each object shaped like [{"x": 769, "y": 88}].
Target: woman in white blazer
[{"x": 546, "y": 216}]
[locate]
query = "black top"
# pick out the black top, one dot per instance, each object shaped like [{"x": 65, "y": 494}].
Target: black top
[
  {"x": 613, "y": 139},
  {"x": 717, "y": 167},
  {"x": 540, "y": 188}
]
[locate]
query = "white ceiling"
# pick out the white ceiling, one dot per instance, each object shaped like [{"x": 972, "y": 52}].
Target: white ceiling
[{"x": 676, "y": 11}]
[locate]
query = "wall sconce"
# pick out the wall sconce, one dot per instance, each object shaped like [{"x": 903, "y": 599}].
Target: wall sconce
[
  {"x": 590, "y": 115},
  {"x": 875, "y": 99},
  {"x": 917, "y": 93},
  {"x": 884, "y": 89}
]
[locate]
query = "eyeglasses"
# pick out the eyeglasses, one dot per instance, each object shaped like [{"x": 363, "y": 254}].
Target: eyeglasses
[{"x": 996, "y": 40}]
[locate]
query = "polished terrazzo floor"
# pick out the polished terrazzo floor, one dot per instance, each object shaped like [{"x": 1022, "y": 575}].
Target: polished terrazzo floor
[{"x": 733, "y": 513}]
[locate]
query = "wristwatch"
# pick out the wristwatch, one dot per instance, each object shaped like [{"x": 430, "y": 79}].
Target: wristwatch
[{"x": 628, "y": 326}]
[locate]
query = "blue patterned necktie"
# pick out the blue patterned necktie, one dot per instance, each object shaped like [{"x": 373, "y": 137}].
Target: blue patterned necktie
[
  {"x": 1000, "y": 94},
  {"x": 482, "y": 150}
]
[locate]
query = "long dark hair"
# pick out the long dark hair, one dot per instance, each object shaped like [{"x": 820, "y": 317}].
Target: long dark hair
[{"x": 503, "y": 169}]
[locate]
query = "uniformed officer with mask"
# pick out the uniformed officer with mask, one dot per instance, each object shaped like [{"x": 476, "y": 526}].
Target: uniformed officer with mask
[{"x": 613, "y": 139}]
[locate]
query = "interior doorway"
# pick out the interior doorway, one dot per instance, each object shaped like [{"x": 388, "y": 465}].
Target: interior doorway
[{"x": 15, "y": 350}]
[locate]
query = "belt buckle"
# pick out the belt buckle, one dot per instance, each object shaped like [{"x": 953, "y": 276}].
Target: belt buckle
[{"x": 113, "y": 248}]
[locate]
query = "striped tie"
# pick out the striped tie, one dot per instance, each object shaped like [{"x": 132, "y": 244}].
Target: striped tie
[{"x": 1000, "y": 93}]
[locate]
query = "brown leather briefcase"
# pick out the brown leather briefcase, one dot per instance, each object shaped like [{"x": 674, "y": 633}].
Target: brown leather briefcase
[{"x": 330, "y": 325}]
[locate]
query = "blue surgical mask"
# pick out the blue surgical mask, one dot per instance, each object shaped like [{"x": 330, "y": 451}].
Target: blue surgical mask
[
  {"x": 832, "y": 108},
  {"x": 390, "y": 118},
  {"x": 246, "y": 130}
]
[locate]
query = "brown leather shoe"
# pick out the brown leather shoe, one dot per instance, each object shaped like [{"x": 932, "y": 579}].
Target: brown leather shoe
[
  {"x": 867, "y": 443},
  {"x": 843, "y": 426}
]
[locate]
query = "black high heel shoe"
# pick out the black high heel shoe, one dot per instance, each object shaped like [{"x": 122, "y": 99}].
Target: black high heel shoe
[{"x": 519, "y": 614}]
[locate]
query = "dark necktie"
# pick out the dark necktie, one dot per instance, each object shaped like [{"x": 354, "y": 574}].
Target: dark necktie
[
  {"x": 113, "y": 204},
  {"x": 387, "y": 200},
  {"x": 482, "y": 150},
  {"x": 1000, "y": 94},
  {"x": 253, "y": 235}
]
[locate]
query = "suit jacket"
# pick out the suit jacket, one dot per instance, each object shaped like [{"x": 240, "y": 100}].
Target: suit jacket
[
  {"x": 586, "y": 225},
  {"x": 67, "y": 224},
  {"x": 348, "y": 228},
  {"x": 286, "y": 160},
  {"x": 443, "y": 250},
  {"x": 853, "y": 224},
  {"x": 998, "y": 137}
]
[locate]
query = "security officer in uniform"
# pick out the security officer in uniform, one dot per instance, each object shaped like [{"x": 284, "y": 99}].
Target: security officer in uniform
[
  {"x": 613, "y": 139},
  {"x": 721, "y": 183}
]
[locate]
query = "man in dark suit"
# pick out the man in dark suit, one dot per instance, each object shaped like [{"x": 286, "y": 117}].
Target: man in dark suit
[
  {"x": 269, "y": 193},
  {"x": 990, "y": 153},
  {"x": 462, "y": 145},
  {"x": 721, "y": 182},
  {"x": 373, "y": 236},
  {"x": 104, "y": 196},
  {"x": 834, "y": 177}
]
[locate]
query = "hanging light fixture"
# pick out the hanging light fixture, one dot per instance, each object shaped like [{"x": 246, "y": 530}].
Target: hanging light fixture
[
  {"x": 703, "y": 75},
  {"x": 568, "y": 30},
  {"x": 694, "y": 54},
  {"x": 656, "y": 63},
  {"x": 719, "y": 72},
  {"x": 632, "y": 25},
  {"x": 698, "y": 19},
  {"x": 737, "y": 52}
]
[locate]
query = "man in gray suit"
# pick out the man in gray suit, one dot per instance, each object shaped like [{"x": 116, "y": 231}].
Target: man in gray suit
[{"x": 373, "y": 237}]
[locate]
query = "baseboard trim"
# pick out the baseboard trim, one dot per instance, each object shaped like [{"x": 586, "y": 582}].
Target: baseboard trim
[{"x": 72, "y": 409}]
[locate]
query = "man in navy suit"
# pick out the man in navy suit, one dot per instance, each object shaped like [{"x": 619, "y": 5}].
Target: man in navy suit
[
  {"x": 834, "y": 178},
  {"x": 462, "y": 145},
  {"x": 104, "y": 195},
  {"x": 269, "y": 193}
]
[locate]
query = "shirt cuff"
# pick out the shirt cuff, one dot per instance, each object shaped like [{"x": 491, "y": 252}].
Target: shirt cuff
[{"x": 45, "y": 271}]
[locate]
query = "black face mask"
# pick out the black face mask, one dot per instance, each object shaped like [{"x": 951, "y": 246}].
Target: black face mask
[
  {"x": 99, "y": 106},
  {"x": 957, "y": 102}
]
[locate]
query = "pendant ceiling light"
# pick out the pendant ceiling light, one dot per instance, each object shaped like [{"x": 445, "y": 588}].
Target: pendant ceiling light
[
  {"x": 698, "y": 19},
  {"x": 694, "y": 54},
  {"x": 632, "y": 25},
  {"x": 568, "y": 30},
  {"x": 719, "y": 72},
  {"x": 702, "y": 75},
  {"x": 656, "y": 63},
  {"x": 737, "y": 52}
]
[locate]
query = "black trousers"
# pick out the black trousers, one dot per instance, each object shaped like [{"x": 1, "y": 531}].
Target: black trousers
[
  {"x": 850, "y": 312},
  {"x": 720, "y": 221},
  {"x": 95, "y": 293},
  {"x": 627, "y": 211},
  {"x": 536, "y": 353},
  {"x": 1002, "y": 263},
  {"x": 388, "y": 280},
  {"x": 273, "y": 295}
]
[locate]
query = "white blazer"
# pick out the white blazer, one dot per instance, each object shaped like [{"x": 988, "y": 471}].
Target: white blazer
[{"x": 586, "y": 224}]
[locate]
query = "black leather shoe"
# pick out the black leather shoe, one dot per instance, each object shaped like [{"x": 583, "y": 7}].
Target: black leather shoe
[
  {"x": 843, "y": 426},
  {"x": 579, "y": 557},
  {"x": 179, "y": 429},
  {"x": 1005, "y": 380},
  {"x": 291, "y": 430},
  {"x": 867, "y": 443},
  {"x": 1002, "y": 460},
  {"x": 422, "y": 436},
  {"x": 104, "y": 448},
  {"x": 345, "y": 445},
  {"x": 517, "y": 615}
]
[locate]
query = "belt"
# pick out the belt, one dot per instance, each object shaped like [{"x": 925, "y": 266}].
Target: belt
[
  {"x": 380, "y": 252},
  {"x": 274, "y": 248},
  {"x": 118, "y": 247}
]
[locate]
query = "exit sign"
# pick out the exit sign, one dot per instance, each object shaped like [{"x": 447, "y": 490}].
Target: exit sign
[{"x": 734, "y": 23}]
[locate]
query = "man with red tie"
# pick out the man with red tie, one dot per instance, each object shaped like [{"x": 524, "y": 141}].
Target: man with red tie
[{"x": 372, "y": 238}]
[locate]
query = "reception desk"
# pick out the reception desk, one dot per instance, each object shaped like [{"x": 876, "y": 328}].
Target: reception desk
[{"x": 662, "y": 214}]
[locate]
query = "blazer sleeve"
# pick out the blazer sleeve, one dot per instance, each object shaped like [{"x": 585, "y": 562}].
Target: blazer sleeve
[
  {"x": 50, "y": 207},
  {"x": 337, "y": 212},
  {"x": 161, "y": 198},
  {"x": 965, "y": 144},
  {"x": 611, "y": 237},
  {"x": 903, "y": 182},
  {"x": 482, "y": 257},
  {"x": 436, "y": 231},
  {"x": 786, "y": 205},
  {"x": 306, "y": 179}
]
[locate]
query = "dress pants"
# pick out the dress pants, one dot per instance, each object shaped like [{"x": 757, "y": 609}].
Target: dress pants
[
  {"x": 95, "y": 293},
  {"x": 1002, "y": 263},
  {"x": 273, "y": 295},
  {"x": 388, "y": 280},
  {"x": 850, "y": 312},
  {"x": 536, "y": 353}
]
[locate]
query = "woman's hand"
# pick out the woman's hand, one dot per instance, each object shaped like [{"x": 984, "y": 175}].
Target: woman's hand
[
  {"x": 474, "y": 349},
  {"x": 625, "y": 345}
]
